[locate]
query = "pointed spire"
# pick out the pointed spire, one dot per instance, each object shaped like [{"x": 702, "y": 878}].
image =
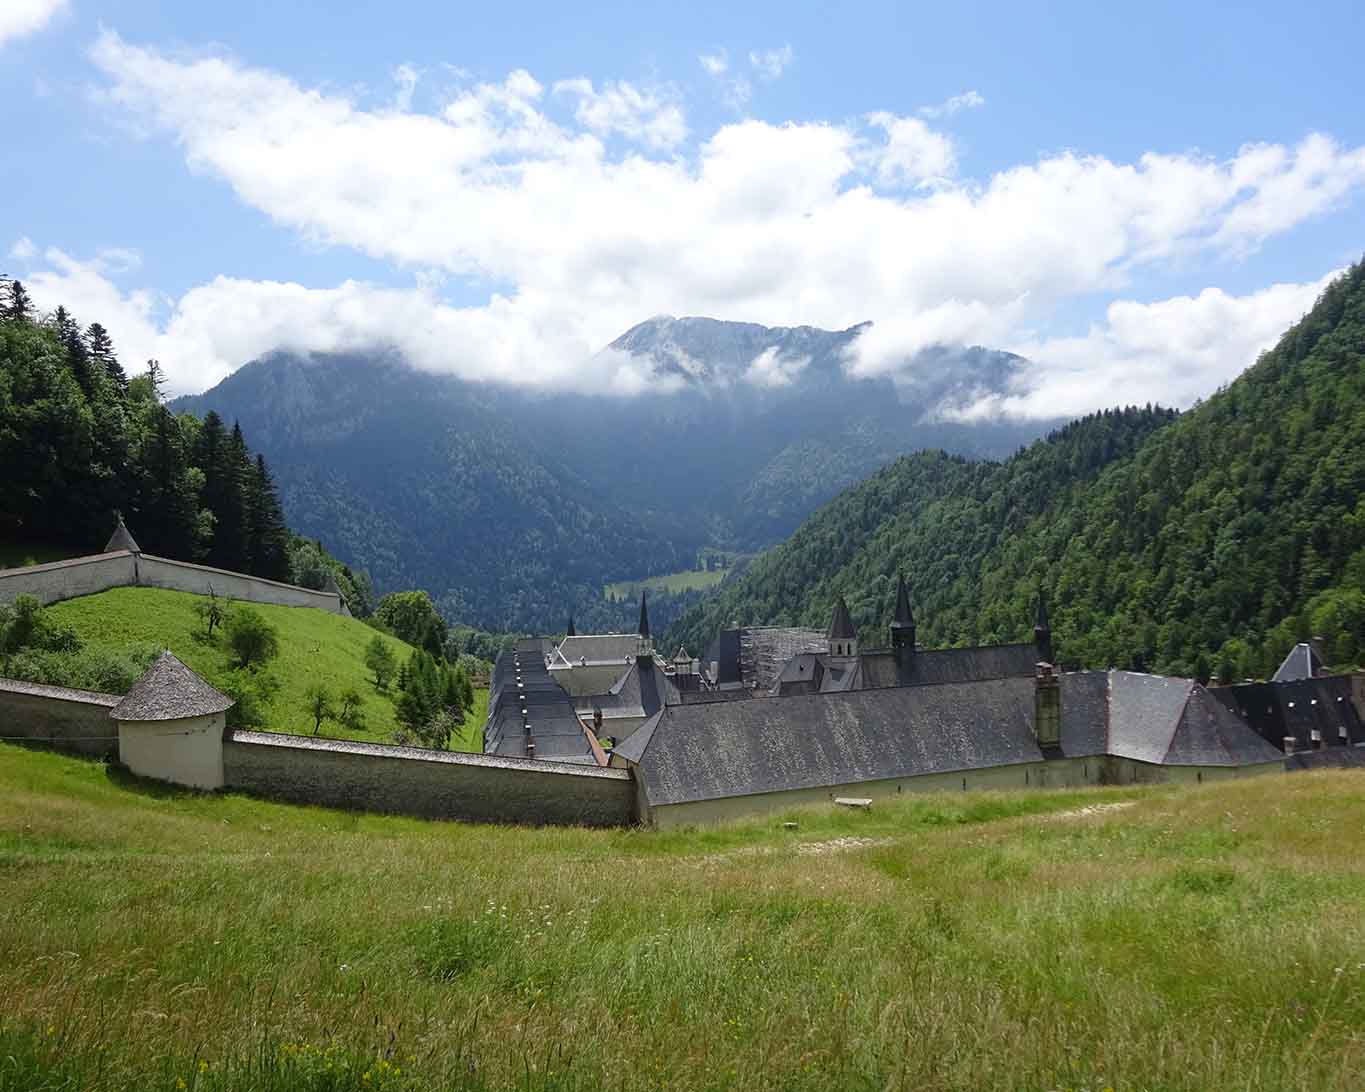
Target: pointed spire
[
  {"x": 1041, "y": 623},
  {"x": 841, "y": 625},
  {"x": 121, "y": 540},
  {"x": 570, "y": 631},
  {"x": 644, "y": 615},
  {"x": 904, "y": 615}
]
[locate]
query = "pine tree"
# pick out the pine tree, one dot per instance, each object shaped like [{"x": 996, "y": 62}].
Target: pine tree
[
  {"x": 221, "y": 457},
  {"x": 269, "y": 537},
  {"x": 101, "y": 348},
  {"x": 17, "y": 306}
]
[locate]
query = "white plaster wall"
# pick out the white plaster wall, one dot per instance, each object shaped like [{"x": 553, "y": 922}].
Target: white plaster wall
[
  {"x": 161, "y": 572},
  {"x": 183, "y": 752},
  {"x": 59, "y": 580}
]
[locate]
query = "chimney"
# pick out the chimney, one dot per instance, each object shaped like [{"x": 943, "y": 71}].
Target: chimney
[
  {"x": 597, "y": 719},
  {"x": 1047, "y": 706},
  {"x": 1291, "y": 744}
]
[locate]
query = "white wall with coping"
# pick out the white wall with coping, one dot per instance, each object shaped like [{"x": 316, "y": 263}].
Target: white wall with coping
[
  {"x": 58, "y": 717},
  {"x": 58, "y": 580},
  {"x": 428, "y": 784},
  {"x": 188, "y": 751}
]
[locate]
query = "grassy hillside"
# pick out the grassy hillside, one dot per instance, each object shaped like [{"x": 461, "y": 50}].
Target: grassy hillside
[
  {"x": 686, "y": 580},
  {"x": 1207, "y": 546},
  {"x": 1194, "y": 938},
  {"x": 315, "y": 647}
]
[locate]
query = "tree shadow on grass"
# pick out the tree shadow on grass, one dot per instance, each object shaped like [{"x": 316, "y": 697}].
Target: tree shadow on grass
[{"x": 123, "y": 778}]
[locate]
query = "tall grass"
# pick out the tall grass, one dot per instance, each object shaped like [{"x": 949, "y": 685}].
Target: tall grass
[{"x": 1197, "y": 938}]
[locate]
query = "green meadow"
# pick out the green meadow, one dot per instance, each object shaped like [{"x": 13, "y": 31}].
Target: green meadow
[
  {"x": 687, "y": 580},
  {"x": 1159, "y": 938},
  {"x": 315, "y": 647}
]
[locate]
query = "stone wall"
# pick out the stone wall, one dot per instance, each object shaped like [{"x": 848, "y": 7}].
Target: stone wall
[
  {"x": 59, "y": 580},
  {"x": 161, "y": 572},
  {"x": 54, "y": 716},
  {"x": 428, "y": 784},
  {"x": 67, "y": 579}
]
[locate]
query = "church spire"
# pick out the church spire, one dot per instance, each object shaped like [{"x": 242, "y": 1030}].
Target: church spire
[
  {"x": 644, "y": 615},
  {"x": 843, "y": 638},
  {"x": 903, "y": 625},
  {"x": 571, "y": 632}
]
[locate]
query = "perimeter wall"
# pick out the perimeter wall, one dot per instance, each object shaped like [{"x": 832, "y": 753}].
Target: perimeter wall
[{"x": 59, "y": 580}]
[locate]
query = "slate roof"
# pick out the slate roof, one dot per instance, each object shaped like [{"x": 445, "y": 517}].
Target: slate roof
[
  {"x": 641, "y": 692},
  {"x": 1298, "y": 709},
  {"x": 555, "y": 729},
  {"x": 169, "y": 691},
  {"x": 121, "y": 540},
  {"x": 706, "y": 751},
  {"x": 929, "y": 667},
  {"x": 1303, "y": 662},
  {"x": 598, "y": 648}
]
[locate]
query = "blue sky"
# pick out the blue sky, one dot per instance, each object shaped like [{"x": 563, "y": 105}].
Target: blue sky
[{"x": 1137, "y": 202}]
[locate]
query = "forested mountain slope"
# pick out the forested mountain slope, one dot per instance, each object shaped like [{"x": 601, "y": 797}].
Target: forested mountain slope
[
  {"x": 514, "y": 507},
  {"x": 1206, "y": 546}
]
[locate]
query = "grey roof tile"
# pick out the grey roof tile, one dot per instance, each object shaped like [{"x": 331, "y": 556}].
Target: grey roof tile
[{"x": 169, "y": 691}]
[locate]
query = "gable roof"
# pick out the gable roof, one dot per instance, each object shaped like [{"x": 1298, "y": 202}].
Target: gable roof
[
  {"x": 706, "y": 751},
  {"x": 1300, "y": 708},
  {"x": 1303, "y": 662},
  {"x": 597, "y": 648},
  {"x": 170, "y": 691},
  {"x": 882, "y": 668},
  {"x": 555, "y": 728}
]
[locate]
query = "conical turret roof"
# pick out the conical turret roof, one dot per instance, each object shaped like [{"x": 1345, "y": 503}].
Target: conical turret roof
[
  {"x": 644, "y": 616},
  {"x": 329, "y": 583},
  {"x": 904, "y": 615},
  {"x": 170, "y": 691},
  {"x": 841, "y": 625},
  {"x": 121, "y": 540}
]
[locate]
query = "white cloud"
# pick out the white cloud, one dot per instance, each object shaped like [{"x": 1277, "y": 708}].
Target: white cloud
[
  {"x": 647, "y": 117},
  {"x": 716, "y": 64},
  {"x": 968, "y": 100},
  {"x": 782, "y": 224},
  {"x": 406, "y": 77},
  {"x": 771, "y": 63},
  {"x": 913, "y": 153},
  {"x": 21, "y": 17},
  {"x": 771, "y": 371},
  {"x": 23, "y": 249},
  {"x": 1171, "y": 351}
]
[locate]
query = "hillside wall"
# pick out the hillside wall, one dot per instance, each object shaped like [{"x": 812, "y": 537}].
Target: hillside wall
[
  {"x": 428, "y": 784},
  {"x": 57, "y": 717},
  {"x": 67, "y": 579},
  {"x": 59, "y": 580}
]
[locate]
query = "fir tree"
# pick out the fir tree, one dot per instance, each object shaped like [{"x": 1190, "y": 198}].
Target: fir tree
[{"x": 269, "y": 541}]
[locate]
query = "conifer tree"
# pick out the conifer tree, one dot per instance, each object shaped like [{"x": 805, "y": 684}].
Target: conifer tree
[
  {"x": 101, "y": 349},
  {"x": 269, "y": 543},
  {"x": 16, "y": 307}
]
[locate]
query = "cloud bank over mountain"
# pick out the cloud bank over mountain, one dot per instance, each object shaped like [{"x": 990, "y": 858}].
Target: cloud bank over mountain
[{"x": 587, "y": 205}]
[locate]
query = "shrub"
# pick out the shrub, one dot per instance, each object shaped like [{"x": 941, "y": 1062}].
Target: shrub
[
  {"x": 252, "y": 691},
  {"x": 379, "y": 658},
  {"x": 253, "y": 640},
  {"x": 105, "y": 670},
  {"x": 318, "y": 701}
]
